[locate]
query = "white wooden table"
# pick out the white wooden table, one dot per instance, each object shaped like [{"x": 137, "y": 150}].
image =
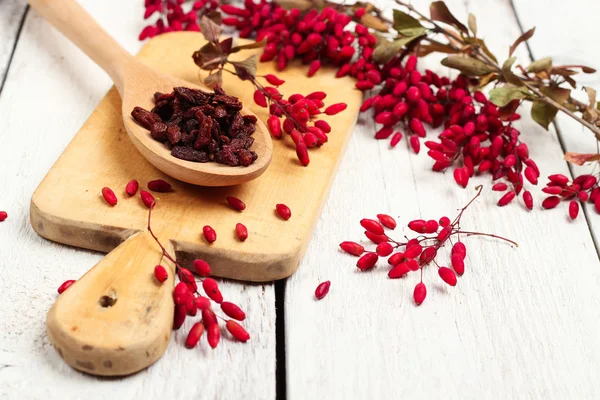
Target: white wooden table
[{"x": 522, "y": 323}]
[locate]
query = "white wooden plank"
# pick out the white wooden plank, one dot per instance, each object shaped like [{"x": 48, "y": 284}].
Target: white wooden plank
[
  {"x": 11, "y": 16},
  {"x": 522, "y": 322},
  {"x": 50, "y": 91},
  {"x": 568, "y": 45}
]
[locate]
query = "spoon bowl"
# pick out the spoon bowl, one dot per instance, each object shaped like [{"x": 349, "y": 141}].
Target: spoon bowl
[
  {"x": 139, "y": 90},
  {"x": 137, "y": 84}
]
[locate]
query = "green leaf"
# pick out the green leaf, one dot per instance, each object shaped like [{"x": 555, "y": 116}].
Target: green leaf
[
  {"x": 472, "y": 21},
  {"x": 388, "y": 50},
  {"x": 486, "y": 50},
  {"x": 509, "y": 76},
  {"x": 523, "y": 38},
  {"x": 255, "y": 45},
  {"x": 503, "y": 95},
  {"x": 542, "y": 64},
  {"x": 543, "y": 113},
  {"x": 467, "y": 65},
  {"x": 439, "y": 12},
  {"x": 406, "y": 24}
]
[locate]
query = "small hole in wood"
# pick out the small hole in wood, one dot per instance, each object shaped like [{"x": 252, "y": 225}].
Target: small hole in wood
[{"x": 107, "y": 301}]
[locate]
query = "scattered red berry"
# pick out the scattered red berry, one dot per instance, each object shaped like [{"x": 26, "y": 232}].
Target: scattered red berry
[
  {"x": 241, "y": 232},
  {"x": 237, "y": 331},
  {"x": 132, "y": 187},
  {"x": 194, "y": 335},
  {"x": 3, "y": 216},
  {"x": 322, "y": 290},
  {"x": 202, "y": 268},
  {"x": 352, "y": 248},
  {"x": 109, "y": 196},
  {"x": 159, "y": 186},
  {"x": 233, "y": 311},
  {"x": 65, "y": 285},
  {"x": 209, "y": 234},
  {"x": 420, "y": 293},
  {"x": 147, "y": 199},
  {"x": 283, "y": 211}
]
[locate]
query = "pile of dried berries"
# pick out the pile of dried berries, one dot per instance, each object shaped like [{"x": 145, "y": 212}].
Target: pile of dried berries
[
  {"x": 200, "y": 126},
  {"x": 581, "y": 189},
  {"x": 419, "y": 252}
]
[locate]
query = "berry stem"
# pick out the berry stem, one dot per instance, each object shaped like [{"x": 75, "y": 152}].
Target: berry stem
[{"x": 469, "y": 233}]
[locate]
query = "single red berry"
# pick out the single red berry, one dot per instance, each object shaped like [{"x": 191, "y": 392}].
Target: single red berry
[
  {"x": 531, "y": 176},
  {"x": 260, "y": 99},
  {"x": 194, "y": 335},
  {"x": 283, "y": 211},
  {"x": 528, "y": 200},
  {"x": 413, "y": 251},
  {"x": 202, "y": 303},
  {"x": 396, "y": 258},
  {"x": 241, "y": 231},
  {"x": 322, "y": 290},
  {"x": 335, "y": 108},
  {"x": 444, "y": 221},
  {"x": 550, "y": 202},
  {"x": 427, "y": 255},
  {"x": 273, "y": 80},
  {"x": 431, "y": 226},
  {"x": 132, "y": 187},
  {"x": 367, "y": 261},
  {"x": 179, "y": 317},
  {"x": 160, "y": 186},
  {"x": 65, "y": 285},
  {"x": 233, "y": 311},
  {"x": 412, "y": 264},
  {"x": 236, "y": 203},
  {"x": 499, "y": 187},
  {"x": 237, "y": 331},
  {"x": 447, "y": 275},
  {"x": 314, "y": 67},
  {"x": 420, "y": 293},
  {"x": 302, "y": 153},
  {"x": 444, "y": 233},
  {"x": 395, "y": 139},
  {"x": 213, "y": 335},
  {"x": 507, "y": 198},
  {"x": 147, "y": 199},
  {"x": 384, "y": 249},
  {"x": 458, "y": 264},
  {"x": 461, "y": 177},
  {"x": 209, "y": 233},
  {"x": 160, "y": 273},
  {"x": 573, "y": 209},
  {"x": 387, "y": 221},
  {"x": 186, "y": 276},
  {"x": 399, "y": 270},
  {"x": 274, "y": 124},
  {"x": 202, "y": 268},
  {"x": 417, "y": 225},
  {"x": 376, "y": 238},
  {"x": 415, "y": 144},
  {"x": 352, "y": 248},
  {"x": 372, "y": 226},
  {"x": 109, "y": 196},
  {"x": 211, "y": 288},
  {"x": 3, "y": 216},
  {"x": 553, "y": 190},
  {"x": 181, "y": 293}
]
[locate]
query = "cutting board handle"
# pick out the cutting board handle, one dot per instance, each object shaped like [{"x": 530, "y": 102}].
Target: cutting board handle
[
  {"x": 79, "y": 27},
  {"x": 117, "y": 319}
]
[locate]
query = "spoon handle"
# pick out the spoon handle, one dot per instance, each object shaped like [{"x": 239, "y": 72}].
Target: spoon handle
[{"x": 79, "y": 27}]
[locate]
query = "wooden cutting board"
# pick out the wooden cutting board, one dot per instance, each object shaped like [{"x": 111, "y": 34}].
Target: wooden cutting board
[{"x": 116, "y": 319}]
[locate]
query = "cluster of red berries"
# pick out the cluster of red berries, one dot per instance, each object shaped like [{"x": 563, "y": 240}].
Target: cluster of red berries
[
  {"x": 477, "y": 139},
  {"x": 299, "y": 115},
  {"x": 173, "y": 18},
  {"x": 417, "y": 253},
  {"x": 315, "y": 37},
  {"x": 405, "y": 99},
  {"x": 582, "y": 189}
]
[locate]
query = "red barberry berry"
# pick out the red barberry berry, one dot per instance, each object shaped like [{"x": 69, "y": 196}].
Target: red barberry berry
[
  {"x": 109, "y": 196},
  {"x": 420, "y": 293},
  {"x": 202, "y": 268},
  {"x": 447, "y": 275},
  {"x": 283, "y": 211},
  {"x": 160, "y": 273},
  {"x": 132, "y": 187},
  {"x": 352, "y": 248},
  {"x": 160, "y": 186},
  {"x": 65, "y": 285},
  {"x": 322, "y": 290},
  {"x": 209, "y": 233}
]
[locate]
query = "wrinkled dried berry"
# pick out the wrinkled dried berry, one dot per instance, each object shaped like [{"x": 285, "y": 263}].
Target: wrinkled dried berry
[{"x": 201, "y": 126}]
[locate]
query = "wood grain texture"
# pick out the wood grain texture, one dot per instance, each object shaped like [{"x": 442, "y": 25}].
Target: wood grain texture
[
  {"x": 11, "y": 17},
  {"x": 521, "y": 323},
  {"x": 567, "y": 47},
  {"x": 51, "y": 77}
]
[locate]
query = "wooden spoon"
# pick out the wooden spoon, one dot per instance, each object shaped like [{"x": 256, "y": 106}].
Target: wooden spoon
[{"x": 137, "y": 84}]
